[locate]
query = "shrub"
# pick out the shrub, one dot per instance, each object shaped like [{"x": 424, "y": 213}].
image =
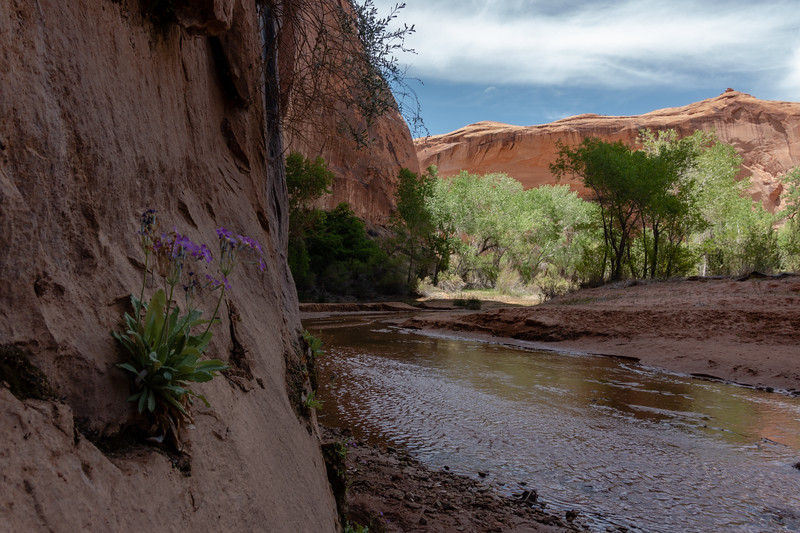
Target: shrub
[
  {"x": 451, "y": 282},
  {"x": 508, "y": 281},
  {"x": 336, "y": 257},
  {"x": 424, "y": 287},
  {"x": 552, "y": 285},
  {"x": 469, "y": 303}
]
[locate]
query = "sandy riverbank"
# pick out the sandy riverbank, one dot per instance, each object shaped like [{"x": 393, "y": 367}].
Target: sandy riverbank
[
  {"x": 389, "y": 491},
  {"x": 746, "y": 331}
]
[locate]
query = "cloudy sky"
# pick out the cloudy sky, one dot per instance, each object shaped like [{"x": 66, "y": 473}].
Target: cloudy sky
[{"x": 530, "y": 62}]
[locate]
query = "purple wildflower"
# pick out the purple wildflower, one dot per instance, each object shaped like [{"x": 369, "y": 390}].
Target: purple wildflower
[
  {"x": 222, "y": 233},
  {"x": 215, "y": 283},
  {"x": 147, "y": 229},
  {"x": 199, "y": 252},
  {"x": 205, "y": 253},
  {"x": 230, "y": 244},
  {"x": 250, "y": 243}
]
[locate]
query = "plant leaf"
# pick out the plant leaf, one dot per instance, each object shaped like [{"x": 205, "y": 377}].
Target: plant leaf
[
  {"x": 151, "y": 401},
  {"x": 128, "y": 367},
  {"x": 175, "y": 403},
  {"x": 154, "y": 319},
  {"x": 143, "y": 399},
  {"x": 202, "y": 398},
  {"x": 135, "y": 396}
]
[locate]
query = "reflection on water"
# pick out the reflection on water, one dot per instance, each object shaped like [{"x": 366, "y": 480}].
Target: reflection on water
[{"x": 627, "y": 445}]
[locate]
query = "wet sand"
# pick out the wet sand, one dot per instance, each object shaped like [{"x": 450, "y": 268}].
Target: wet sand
[
  {"x": 743, "y": 330},
  {"x": 389, "y": 491}
]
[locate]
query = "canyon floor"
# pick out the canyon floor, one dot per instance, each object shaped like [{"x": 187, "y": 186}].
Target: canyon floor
[
  {"x": 389, "y": 491},
  {"x": 742, "y": 330}
]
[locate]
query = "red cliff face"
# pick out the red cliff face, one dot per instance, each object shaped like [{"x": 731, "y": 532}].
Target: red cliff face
[
  {"x": 103, "y": 114},
  {"x": 365, "y": 176},
  {"x": 319, "y": 113},
  {"x": 766, "y": 134}
]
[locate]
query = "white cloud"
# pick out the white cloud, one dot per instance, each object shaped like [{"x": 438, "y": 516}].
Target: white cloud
[
  {"x": 789, "y": 86},
  {"x": 610, "y": 44}
]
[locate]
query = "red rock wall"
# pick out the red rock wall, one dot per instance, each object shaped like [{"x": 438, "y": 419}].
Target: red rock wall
[
  {"x": 103, "y": 114},
  {"x": 766, "y": 134},
  {"x": 365, "y": 176}
]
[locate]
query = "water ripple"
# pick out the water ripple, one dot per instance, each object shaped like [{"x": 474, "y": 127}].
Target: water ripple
[{"x": 625, "y": 444}]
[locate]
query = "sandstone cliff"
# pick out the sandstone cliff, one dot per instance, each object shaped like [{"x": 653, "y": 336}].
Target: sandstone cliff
[
  {"x": 766, "y": 134},
  {"x": 316, "y": 66},
  {"x": 103, "y": 114},
  {"x": 365, "y": 176}
]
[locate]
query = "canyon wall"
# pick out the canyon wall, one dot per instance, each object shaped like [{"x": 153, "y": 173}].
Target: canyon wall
[
  {"x": 365, "y": 176},
  {"x": 103, "y": 114},
  {"x": 316, "y": 66},
  {"x": 765, "y": 133}
]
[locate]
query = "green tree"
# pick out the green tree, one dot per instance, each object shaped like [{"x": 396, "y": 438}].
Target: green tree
[
  {"x": 550, "y": 231},
  {"x": 789, "y": 235},
  {"x": 417, "y": 236},
  {"x": 613, "y": 172},
  {"x": 739, "y": 236},
  {"x": 667, "y": 200},
  {"x": 483, "y": 211},
  {"x": 306, "y": 182},
  {"x": 495, "y": 226}
]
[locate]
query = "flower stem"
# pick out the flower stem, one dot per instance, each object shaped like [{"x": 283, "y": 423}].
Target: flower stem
[
  {"x": 144, "y": 283},
  {"x": 219, "y": 301},
  {"x": 166, "y": 315}
]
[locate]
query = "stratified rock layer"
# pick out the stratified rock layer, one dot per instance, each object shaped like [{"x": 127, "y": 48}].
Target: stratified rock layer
[
  {"x": 102, "y": 115},
  {"x": 766, "y": 134}
]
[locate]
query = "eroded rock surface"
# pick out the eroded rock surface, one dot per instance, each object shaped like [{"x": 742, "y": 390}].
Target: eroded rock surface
[
  {"x": 765, "y": 133},
  {"x": 102, "y": 115},
  {"x": 366, "y": 169}
]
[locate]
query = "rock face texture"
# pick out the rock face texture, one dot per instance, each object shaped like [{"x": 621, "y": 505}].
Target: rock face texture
[
  {"x": 766, "y": 134},
  {"x": 366, "y": 176},
  {"x": 365, "y": 172},
  {"x": 104, "y": 114}
]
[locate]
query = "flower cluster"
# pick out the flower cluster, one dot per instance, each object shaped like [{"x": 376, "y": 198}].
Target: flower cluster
[
  {"x": 231, "y": 244},
  {"x": 216, "y": 283},
  {"x": 165, "y": 345},
  {"x": 171, "y": 251}
]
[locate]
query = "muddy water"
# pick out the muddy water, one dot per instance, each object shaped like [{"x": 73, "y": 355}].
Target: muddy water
[{"x": 623, "y": 444}]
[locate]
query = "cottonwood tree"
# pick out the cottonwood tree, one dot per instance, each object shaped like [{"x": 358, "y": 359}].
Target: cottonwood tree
[
  {"x": 739, "y": 234},
  {"x": 667, "y": 199},
  {"x": 557, "y": 231},
  {"x": 613, "y": 172},
  {"x": 426, "y": 246},
  {"x": 482, "y": 211},
  {"x": 790, "y": 215},
  {"x": 498, "y": 230}
]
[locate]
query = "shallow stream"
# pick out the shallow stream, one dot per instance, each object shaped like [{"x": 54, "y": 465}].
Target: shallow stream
[{"x": 623, "y": 444}]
